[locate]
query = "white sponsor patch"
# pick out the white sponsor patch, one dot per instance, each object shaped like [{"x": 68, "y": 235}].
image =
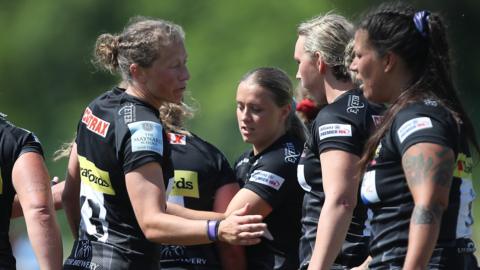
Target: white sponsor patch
[
  {"x": 267, "y": 178},
  {"x": 412, "y": 126},
  {"x": 368, "y": 190},
  {"x": 334, "y": 130},
  {"x": 94, "y": 123},
  {"x": 146, "y": 136}
]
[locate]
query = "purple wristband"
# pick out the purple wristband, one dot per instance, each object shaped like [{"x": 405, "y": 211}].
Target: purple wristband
[{"x": 212, "y": 230}]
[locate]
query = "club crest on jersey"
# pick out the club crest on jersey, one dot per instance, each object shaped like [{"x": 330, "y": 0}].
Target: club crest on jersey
[
  {"x": 267, "y": 178},
  {"x": 354, "y": 104},
  {"x": 185, "y": 183},
  {"x": 175, "y": 138},
  {"x": 128, "y": 112},
  {"x": 94, "y": 177},
  {"x": 412, "y": 126},
  {"x": 146, "y": 136},
  {"x": 94, "y": 123},
  {"x": 334, "y": 130}
]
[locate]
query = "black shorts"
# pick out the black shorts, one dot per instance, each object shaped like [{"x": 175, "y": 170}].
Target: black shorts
[{"x": 87, "y": 255}]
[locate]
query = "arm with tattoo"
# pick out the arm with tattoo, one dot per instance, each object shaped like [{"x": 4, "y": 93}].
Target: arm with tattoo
[{"x": 428, "y": 170}]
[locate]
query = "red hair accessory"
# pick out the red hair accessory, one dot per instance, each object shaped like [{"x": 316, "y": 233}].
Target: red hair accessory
[{"x": 308, "y": 108}]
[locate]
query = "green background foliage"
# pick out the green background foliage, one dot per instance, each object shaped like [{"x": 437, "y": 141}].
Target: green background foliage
[{"x": 47, "y": 78}]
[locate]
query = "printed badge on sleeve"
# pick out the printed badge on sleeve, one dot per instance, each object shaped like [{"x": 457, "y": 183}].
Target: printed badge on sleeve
[
  {"x": 146, "y": 136},
  {"x": 412, "y": 126},
  {"x": 267, "y": 178},
  {"x": 334, "y": 130}
]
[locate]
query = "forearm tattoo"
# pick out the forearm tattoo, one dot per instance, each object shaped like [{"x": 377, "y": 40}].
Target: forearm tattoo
[
  {"x": 424, "y": 215},
  {"x": 439, "y": 168}
]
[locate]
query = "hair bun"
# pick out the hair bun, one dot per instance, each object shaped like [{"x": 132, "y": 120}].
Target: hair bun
[{"x": 106, "y": 51}]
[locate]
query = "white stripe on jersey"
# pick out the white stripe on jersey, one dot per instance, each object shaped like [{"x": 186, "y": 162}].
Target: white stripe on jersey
[
  {"x": 96, "y": 199},
  {"x": 301, "y": 178}
]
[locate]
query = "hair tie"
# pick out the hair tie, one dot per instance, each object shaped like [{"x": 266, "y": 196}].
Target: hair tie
[
  {"x": 308, "y": 108},
  {"x": 421, "y": 22}
]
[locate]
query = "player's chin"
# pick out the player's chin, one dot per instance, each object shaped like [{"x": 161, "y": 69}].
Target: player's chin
[{"x": 247, "y": 138}]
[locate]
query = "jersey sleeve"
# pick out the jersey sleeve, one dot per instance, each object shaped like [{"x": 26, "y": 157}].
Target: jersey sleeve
[
  {"x": 339, "y": 130},
  {"x": 424, "y": 124},
  {"x": 141, "y": 141},
  {"x": 25, "y": 142},
  {"x": 272, "y": 178}
]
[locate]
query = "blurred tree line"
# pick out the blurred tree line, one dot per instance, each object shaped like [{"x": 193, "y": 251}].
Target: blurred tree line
[{"x": 47, "y": 77}]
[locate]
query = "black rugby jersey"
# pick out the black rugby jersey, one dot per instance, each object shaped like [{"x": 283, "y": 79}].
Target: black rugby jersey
[
  {"x": 385, "y": 190},
  {"x": 116, "y": 134},
  {"x": 343, "y": 125},
  {"x": 14, "y": 141},
  {"x": 271, "y": 174},
  {"x": 200, "y": 169}
]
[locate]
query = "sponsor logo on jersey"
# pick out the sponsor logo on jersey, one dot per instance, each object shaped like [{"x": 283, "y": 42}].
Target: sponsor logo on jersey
[
  {"x": 291, "y": 155},
  {"x": 430, "y": 102},
  {"x": 94, "y": 177},
  {"x": 94, "y": 123},
  {"x": 267, "y": 178},
  {"x": 354, "y": 104},
  {"x": 185, "y": 183},
  {"x": 83, "y": 250},
  {"x": 334, "y": 130},
  {"x": 467, "y": 247},
  {"x": 377, "y": 120},
  {"x": 241, "y": 162},
  {"x": 175, "y": 138},
  {"x": 82, "y": 256},
  {"x": 171, "y": 251},
  {"x": 412, "y": 126},
  {"x": 464, "y": 166},
  {"x": 146, "y": 136},
  {"x": 128, "y": 112}
]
